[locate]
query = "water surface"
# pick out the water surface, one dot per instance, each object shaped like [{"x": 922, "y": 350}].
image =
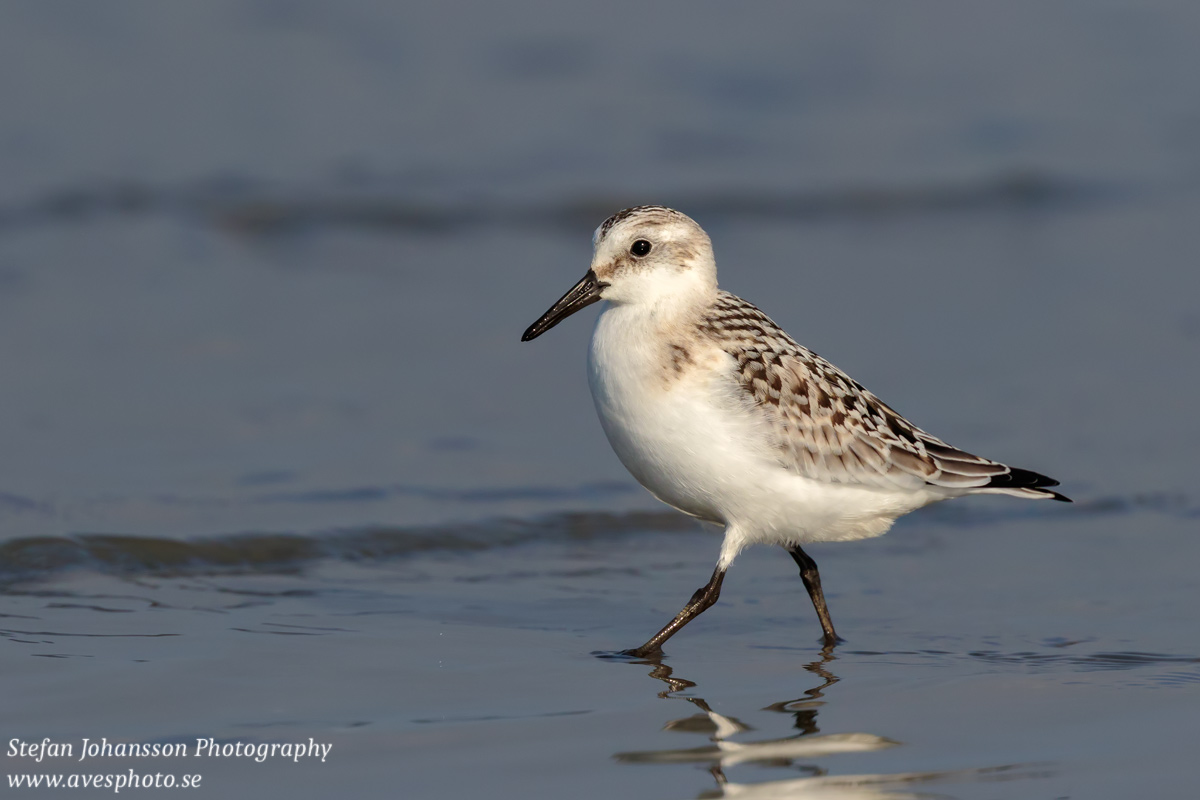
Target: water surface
[{"x": 274, "y": 465}]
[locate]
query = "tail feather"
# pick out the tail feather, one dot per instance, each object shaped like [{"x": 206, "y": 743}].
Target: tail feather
[{"x": 1026, "y": 482}]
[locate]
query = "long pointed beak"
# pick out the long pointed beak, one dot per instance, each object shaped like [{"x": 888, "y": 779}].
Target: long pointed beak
[{"x": 582, "y": 295}]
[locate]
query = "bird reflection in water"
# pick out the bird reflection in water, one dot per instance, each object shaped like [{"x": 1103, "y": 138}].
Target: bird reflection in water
[{"x": 795, "y": 752}]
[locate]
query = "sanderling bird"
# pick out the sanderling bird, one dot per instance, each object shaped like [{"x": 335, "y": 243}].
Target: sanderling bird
[{"x": 721, "y": 414}]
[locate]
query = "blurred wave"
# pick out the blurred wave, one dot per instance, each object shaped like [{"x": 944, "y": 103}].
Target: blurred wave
[
  {"x": 244, "y": 207},
  {"x": 1089, "y": 661},
  {"x": 33, "y": 557},
  {"x": 1039, "y": 661},
  {"x": 1170, "y": 504},
  {"x": 37, "y": 557}
]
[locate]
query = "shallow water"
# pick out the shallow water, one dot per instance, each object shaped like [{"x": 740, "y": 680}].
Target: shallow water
[
  {"x": 274, "y": 466},
  {"x": 467, "y": 667}
]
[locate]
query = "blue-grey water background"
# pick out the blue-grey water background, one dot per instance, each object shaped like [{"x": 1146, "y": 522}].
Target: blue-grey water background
[{"x": 274, "y": 465}]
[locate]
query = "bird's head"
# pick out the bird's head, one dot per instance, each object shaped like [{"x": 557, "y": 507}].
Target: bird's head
[{"x": 644, "y": 255}]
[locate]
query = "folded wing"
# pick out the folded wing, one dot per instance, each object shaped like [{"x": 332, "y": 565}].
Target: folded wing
[{"x": 828, "y": 427}]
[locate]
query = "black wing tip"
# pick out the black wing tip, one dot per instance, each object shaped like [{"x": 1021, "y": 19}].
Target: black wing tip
[
  {"x": 1027, "y": 479},
  {"x": 1022, "y": 479}
]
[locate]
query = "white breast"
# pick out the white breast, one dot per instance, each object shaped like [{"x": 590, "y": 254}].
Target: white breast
[{"x": 680, "y": 430}]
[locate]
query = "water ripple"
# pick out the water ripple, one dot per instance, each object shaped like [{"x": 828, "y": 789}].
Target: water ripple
[
  {"x": 32, "y": 558},
  {"x": 245, "y": 207}
]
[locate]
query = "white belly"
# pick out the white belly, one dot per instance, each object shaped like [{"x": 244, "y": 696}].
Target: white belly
[{"x": 666, "y": 429}]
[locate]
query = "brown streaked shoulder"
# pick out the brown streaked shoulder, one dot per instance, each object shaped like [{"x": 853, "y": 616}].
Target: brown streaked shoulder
[{"x": 825, "y": 424}]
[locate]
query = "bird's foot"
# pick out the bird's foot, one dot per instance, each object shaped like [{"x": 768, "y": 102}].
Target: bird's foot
[
  {"x": 831, "y": 641},
  {"x": 632, "y": 654}
]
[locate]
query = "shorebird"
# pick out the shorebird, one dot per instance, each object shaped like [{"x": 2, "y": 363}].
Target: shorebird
[{"x": 719, "y": 413}]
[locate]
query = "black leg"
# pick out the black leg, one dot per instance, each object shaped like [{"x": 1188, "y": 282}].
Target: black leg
[
  {"x": 812, "y": 582},
  {"x": 704, "y": 597}
]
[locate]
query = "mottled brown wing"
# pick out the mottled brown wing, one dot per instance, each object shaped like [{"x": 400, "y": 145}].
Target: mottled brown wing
[{"x": 825, "y": 424}]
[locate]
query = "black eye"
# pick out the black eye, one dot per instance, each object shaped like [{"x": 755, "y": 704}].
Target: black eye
[{"x": 640, "y": 247}]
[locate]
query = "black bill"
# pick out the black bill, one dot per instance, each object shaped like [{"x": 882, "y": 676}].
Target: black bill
[{"x": 582, "y": 295}]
